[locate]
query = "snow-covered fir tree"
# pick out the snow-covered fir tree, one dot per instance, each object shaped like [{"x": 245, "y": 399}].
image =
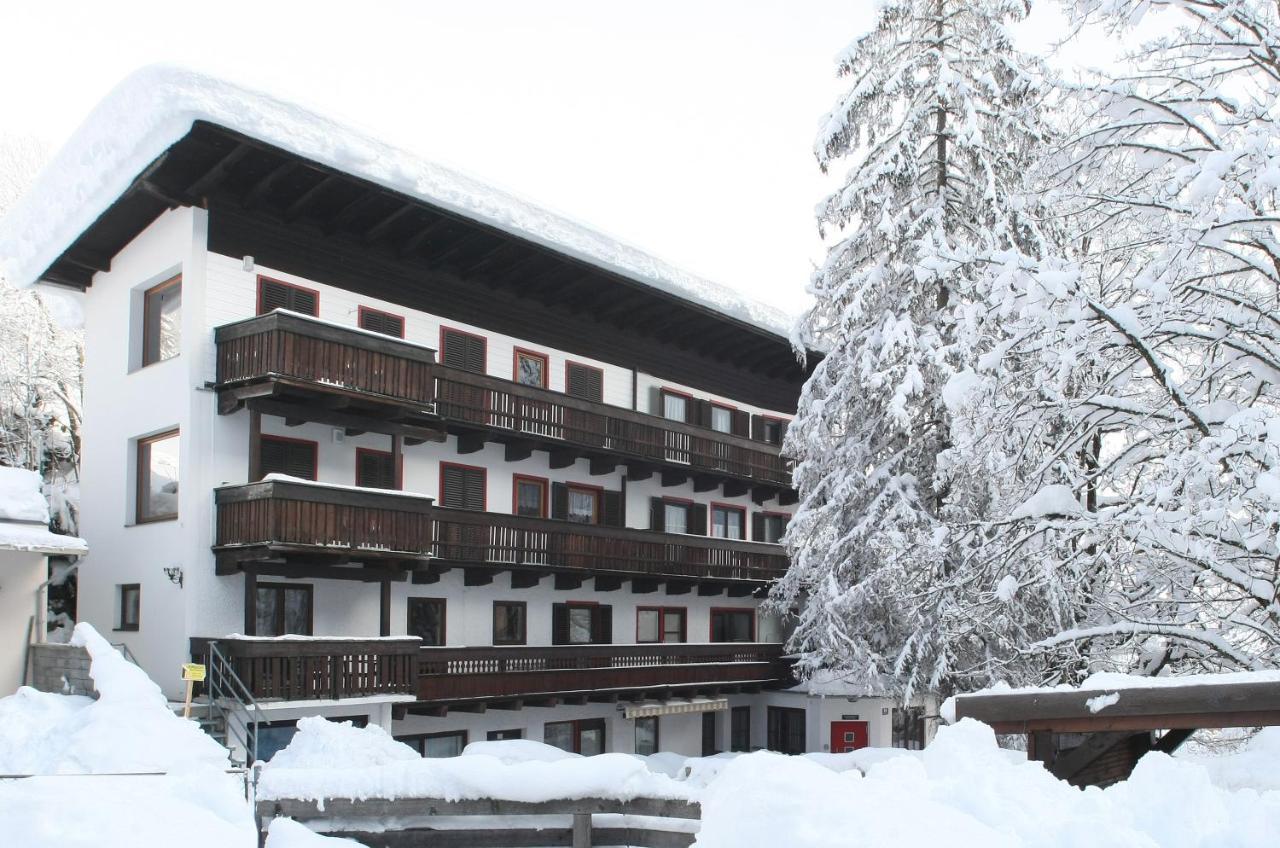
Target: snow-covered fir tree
[
  {"x": 1173, "y": 330},
  {"x": 934, "y": 239}
]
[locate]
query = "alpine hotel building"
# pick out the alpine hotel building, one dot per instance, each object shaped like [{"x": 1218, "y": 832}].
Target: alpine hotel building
[{"x": 392, "y": 456}]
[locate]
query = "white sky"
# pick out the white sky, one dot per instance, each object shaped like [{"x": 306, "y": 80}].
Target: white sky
[{"x": 685, "y": 128}]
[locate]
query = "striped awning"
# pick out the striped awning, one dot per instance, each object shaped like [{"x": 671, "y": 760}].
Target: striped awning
[{"x": 700, "y": 705}]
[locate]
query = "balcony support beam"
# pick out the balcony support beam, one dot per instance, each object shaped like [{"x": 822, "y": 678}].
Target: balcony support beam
[
  {"x": 602, "y": 465},
  {"x": 525, "y": 579},
  {"x": 384, "y": 608},
  {"x": 607, "y": 583},
  {"x": 678, "y": 587},
  {"x": 518, "y": 450},
  {"x": 741, "y": 591},
  {"x": 477, "y": 576},
  {"x": 710, "y": 590},
  {"x": 705, "y": 483},
  {"x": 515, "y": 704},
  {"x": 638, "y": 471},
  {"x": 673, "y": 478},
  {"x": 641, "y": 586},
  {"x": 568, "y": 582},
  {"x": 471, "y": 442},
  {"x": 736, "y": 488},
  {"x": 564, "y": 457}
]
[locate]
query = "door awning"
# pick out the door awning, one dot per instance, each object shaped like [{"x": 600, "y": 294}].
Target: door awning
[{"x": 701, "y": 705}]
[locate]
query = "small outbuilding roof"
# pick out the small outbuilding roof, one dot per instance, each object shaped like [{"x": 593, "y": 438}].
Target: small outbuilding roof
[{"x": 24, "y": 517}]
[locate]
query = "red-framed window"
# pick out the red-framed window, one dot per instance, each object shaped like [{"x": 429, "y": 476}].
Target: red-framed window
[
  {"x": 677, "y": 515},
  {"x": 722, "y": 416},
  {"x": 285, "y": 455},
  {"x": 662, "y": 624},
  {"x": 376, "y": 469},
  {"x": 530, "y": 368},
  {"x": 463, "y": 486},
  {"x": 728, "y": 521},
  {"x": 584, "y": 381},
  {"x": 277, "y": 294},
  {"x": 676, "y": 405},
  {"x": 584, "y": 736},
  {"x": 463, "y": 350},
  {"x": 529, "y": 495},
  {"x": 378, "y": 321},
  {"x": 733, "y": 624}
]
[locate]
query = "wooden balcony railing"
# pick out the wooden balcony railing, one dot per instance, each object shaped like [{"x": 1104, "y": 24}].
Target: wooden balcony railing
[
  {"x": 448, "y": 674},
  {"x": 294, "y": 514},
  {"x": 294, "y": 668},
  {"x": 495, "y": 538},
  {"x": 298, "y": 350},
  {"x": 276, "y": 517}
]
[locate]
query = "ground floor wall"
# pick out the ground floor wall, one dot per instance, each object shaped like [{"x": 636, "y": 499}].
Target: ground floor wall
[{"x": 21, "y": 574}]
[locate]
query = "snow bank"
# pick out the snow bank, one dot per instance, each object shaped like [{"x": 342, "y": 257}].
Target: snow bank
[
  {"x": 1256, "y": 767},
  {"x": 20, "y": 498},
  {"x": 287, "y": 833},
  {"x": 74, "y": 742},
  {"x": 1109, "y": 681},
  {"x": 1050, "y": 501},
  {"x": 964, "y": 791},
  {"x": 156, "y": 106},
  {"x": 130, "y": 728},
  {"x": 512, "y": 751},
  {"x": 328, "y": 760}
]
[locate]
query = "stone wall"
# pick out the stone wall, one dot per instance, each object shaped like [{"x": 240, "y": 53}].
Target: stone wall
[{"x": 62, "y": 669}]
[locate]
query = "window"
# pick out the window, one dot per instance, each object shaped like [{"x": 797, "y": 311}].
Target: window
[
  {"x": 583, "y": 381},
  {"x": 721, "y": 418},
  {"x": 709, "y": 748},
  {"x": 426, "y": 620},
  {"x": 157, "y": 481},
  {"x": 295, "y": 457},
  {"x": 740, "y": 729},
  {"x": 509, "y": 622},
  {"x": 161, "y": 321},
  {"x": 660, "y": 624},
  {"x": 908, "y": 728},
  {"x": 769, "y": 430},
  {"x": 584, "y": 737},
  {"x": 130, "y": 606},
  {"x": 530, "y": 368},
  {"x": 675, "y": 407},
  {"x": 529, "y": 496},
  {"x": 437, "y": 745},
  {"x": 499, "y": 735},
  {"x": 283, "y": 608},
  {"x": 786, "y": 730},
  {"x": 647, "y": 735},
  {"x": 463, "y": 350},
  {"x": 273, "y": 294},
  {"x": 376, "y": 469},
  {"x": 733, "y": 625},
  {"x": 581, "y": 624},
  {"x": 377, "y": 321},
  {"x": 728, "y": 522},
  {"x": 677, "y": 516},
  {"x": 584, "y": 505},
  {"x": 462, "y": 486},
  {"x": 275, "y": 736},
  {"x": 769, "y": 526}
]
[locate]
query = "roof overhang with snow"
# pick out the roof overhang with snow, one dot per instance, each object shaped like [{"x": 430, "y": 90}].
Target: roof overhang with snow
[
  {"x": 307, "y": 195},
  {"x": 1207, "y": 705}
]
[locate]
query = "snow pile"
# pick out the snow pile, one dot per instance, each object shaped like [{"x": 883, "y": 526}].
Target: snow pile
[
  {"x": 74, "y": 742},
  {"x": 129, "y": 728},
  {"x": 287, "y": 833},
  {"x": 155, "y": 107},
  {"x": 964, "y": 791},
  {"x": 1256, "y": 767},
  {"x": 1056, "y": 500},
  {"x": 347, "y": 762},
  {"x": 20, "y": 498},
  {"x": 512, "y": 751},
  {"x": 1100, "y": 702}
]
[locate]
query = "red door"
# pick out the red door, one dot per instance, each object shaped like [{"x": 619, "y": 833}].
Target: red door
[{"x": 848, "y": 736}]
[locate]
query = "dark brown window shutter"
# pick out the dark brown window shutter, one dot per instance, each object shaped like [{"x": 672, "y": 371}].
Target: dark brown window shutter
[
  {"x": 462, "y": 488},
  {"x": 612, "y": 509},
  {"x": 297, "y": 459},
  {"x": 757, "y": 527},
  {"x": 698, "y": 519},
  {"x": 657, "y": 514},
  {"x": 382, "y": 322},
  {"x": 301, "y": 300},
  {"x": 463, "y": 351},
  {"x": 602, "y": 625},
  {"x": 376, "y": 470},
  {"x": 655, "y": 401},
  {"x": 559, "y": 500},
  {"x": 782, "y": 431},
  {"x": 697, "y": 412},
  {"x": 741, "y": 423},
  {"x": 559, "y": 624},
  {"x": 583, "y": 382},
  {"x": 757, "y": 428},
  {"x": 276, "y": 295}
]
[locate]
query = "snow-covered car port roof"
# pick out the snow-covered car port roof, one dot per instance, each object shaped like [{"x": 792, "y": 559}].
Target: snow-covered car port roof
[
  {"x": 1095, "y": 735},
  {"x": 170, "y": 137}
]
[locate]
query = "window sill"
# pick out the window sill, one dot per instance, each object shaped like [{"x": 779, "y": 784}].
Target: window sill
[
  {"x": 154, "y": 364},
  {"x": 157, "y": 520},
  {"x": 124, "y": 630}
]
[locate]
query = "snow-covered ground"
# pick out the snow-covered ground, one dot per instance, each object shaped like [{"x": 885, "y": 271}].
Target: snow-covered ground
[{"x": 961, "y": 791}]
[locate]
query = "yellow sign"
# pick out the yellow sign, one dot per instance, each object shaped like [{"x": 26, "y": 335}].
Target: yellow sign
[{"x": 193, "y": 672}]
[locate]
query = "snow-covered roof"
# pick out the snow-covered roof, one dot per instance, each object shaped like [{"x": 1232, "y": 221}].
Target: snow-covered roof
[
  {"x": 155, "y": 107},
  {"x": 24, "y": 517}
]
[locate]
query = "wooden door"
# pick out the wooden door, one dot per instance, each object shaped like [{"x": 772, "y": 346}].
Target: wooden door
[{"x": 848, "y": 736}]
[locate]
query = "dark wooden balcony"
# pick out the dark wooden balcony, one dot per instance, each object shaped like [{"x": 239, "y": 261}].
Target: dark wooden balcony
[
  {"x": 590, "y": 671},
  {"x": 288, "y": 525},
  {"x": 304, "y": 369},
  {"x": 309, "y": 669}
]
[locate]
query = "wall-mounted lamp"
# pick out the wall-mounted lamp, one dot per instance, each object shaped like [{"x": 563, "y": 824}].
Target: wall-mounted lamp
[{"x": 174, "y": 573}]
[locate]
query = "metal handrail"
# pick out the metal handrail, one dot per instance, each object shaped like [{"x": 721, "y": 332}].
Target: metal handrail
[
  {"x": 225, "y": 685},
  {"x": 125, "y": 652}
]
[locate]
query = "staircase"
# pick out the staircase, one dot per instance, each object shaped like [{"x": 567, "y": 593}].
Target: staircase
[{"x": 227, "y": 710}]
